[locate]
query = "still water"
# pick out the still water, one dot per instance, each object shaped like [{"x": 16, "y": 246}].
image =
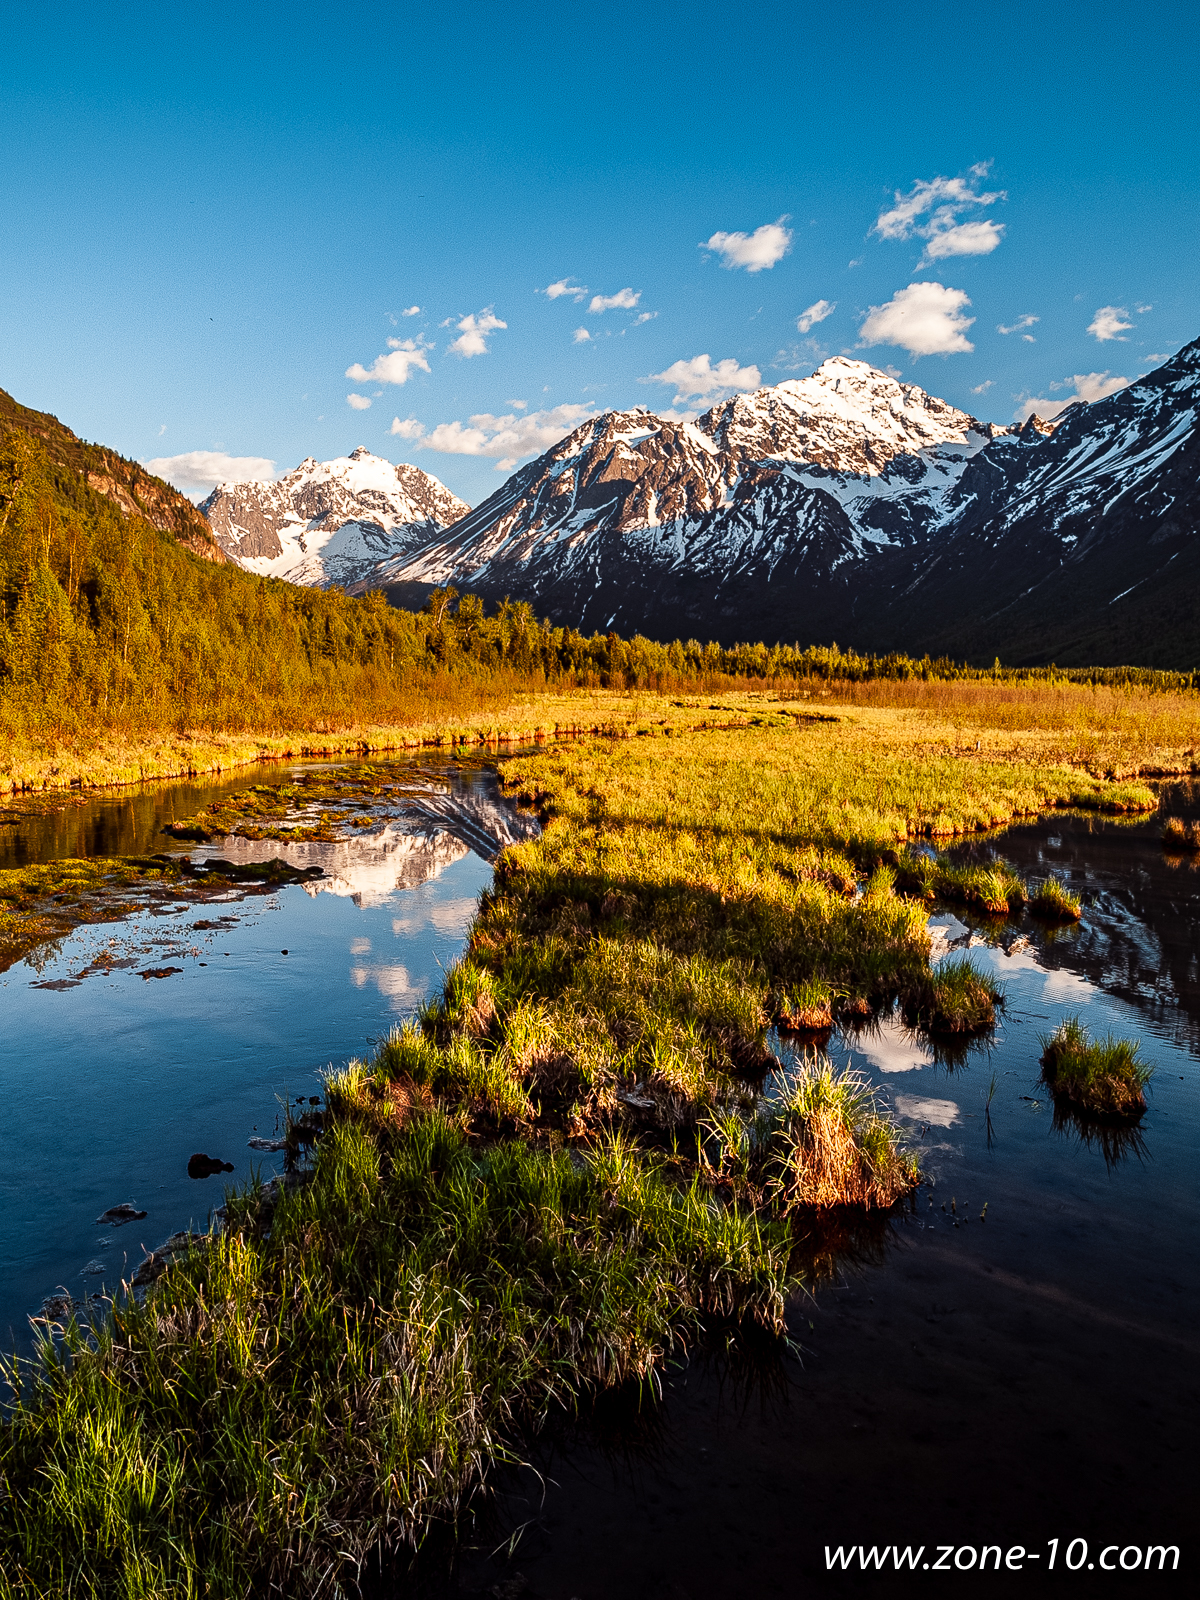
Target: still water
[{"x": 112, "y": 1080}]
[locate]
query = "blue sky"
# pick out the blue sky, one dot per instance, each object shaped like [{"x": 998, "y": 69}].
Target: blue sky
[{"x": 213, "y": 214}]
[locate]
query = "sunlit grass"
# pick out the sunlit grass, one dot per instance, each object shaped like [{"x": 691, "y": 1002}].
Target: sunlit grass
[
  {"x": 1104, "y": 1077},
  {"x": 1054, "y": 902}
]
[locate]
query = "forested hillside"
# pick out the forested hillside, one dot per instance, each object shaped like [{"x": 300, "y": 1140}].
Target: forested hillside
[{"x": 117, "y": 611}]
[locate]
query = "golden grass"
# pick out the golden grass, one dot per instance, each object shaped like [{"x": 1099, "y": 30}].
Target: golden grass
[
  {"x": 1105, "y": 732},
  {"x": 1104, "y": 1078},
  {"x": 1122, "y": 731},
  {"x": 1179, "y": 834}
]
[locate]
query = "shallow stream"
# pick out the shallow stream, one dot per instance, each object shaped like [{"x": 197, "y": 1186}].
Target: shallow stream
[{"x": 114, "y": 1079}]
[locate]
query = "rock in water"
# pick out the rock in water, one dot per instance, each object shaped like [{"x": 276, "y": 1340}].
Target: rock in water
[
  {"x": 202, "y": 1166},
  {"x": 118, "y": 1216}
]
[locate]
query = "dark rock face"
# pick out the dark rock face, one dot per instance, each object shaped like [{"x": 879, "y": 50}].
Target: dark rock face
[
  {"x": 1080, "y": 545},
  {"x": 850, "y": 507}
]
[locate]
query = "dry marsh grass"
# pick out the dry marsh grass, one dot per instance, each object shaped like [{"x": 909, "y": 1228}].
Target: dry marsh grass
[
  {"x": 1180, "y": 834},
  {"x": 1121, "y": 730}
]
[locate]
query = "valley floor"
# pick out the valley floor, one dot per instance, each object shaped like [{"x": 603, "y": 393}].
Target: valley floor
[{"x": 582, "y": 1158}]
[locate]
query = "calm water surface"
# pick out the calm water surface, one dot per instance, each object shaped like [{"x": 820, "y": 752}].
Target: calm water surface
[{"x": 113, "y": 1080}]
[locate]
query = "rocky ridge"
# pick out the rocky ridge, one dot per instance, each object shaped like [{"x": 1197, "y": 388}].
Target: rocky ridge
[
  {"x": 330, "y": 522},
  {"x": 849, "y": 507},
  {"x": 636, "y": 521}
]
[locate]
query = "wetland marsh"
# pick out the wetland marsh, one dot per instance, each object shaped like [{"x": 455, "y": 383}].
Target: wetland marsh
[{"x": 595, "y": 1099}]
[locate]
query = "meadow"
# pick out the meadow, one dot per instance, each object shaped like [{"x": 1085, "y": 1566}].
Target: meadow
[{"x": 584, "y": 1159}]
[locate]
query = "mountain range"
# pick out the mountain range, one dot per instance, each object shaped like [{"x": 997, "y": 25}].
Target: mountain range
[{"x": 850, "y": 506}]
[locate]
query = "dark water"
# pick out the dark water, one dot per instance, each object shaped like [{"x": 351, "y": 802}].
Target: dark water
[
  {"x": 113, "y": 1081},
  {"x": 127, "y": 821},
  {"x": 1031, "y": 1376}
]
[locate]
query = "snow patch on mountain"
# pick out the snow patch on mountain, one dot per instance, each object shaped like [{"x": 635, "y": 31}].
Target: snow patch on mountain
[
  {"x": 693, "y": 495},
  {"x": 330, "y": 521}
]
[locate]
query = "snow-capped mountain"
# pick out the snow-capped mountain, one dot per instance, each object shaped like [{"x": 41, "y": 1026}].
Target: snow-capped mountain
[
  {"x": 1081, "y": 546},
  {"x": 848, "y": 506},
  {"x": 731, "y": 523},
  {"x": 330, "y": 521}
]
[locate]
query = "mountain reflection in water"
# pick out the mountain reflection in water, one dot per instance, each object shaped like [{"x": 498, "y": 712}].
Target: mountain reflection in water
[
  {"x": 181, "y": 1080},
  {"x": 431, "y": 830}
]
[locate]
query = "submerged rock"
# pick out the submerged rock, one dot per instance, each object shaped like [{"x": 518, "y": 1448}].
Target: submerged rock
[
  {"x": 57, "y": 1307},
  {"x": 156, "y": 1263},
  {"x": 118, "y": 1216}
]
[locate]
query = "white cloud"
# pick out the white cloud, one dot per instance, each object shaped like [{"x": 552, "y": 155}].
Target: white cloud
[
  {"x": 698, "y": 379},
  {"x": 412, "y": 311},
  {"x": 1089, "y": 386},
  {"x": 926, "y": 319},
  {"x": 406, "y": 355},
  {"x": 358, "y": 402},
  {"x": 646, "y": 316},
  {"x": 519, "y": 405},
  {"x": 1016, "y": 327},
  {"x": 509, "y": 437},
  {"x": 930, "y": 211},
  {"x": 581, "y": 336},
  {"x": 755, "y": 251},
  {"x": 204, "y": 469},
  {"x": 410, "y": 428},
  {"x": 623, "y": 300},
  {"x": 674, "y": 414},
  {"x": 1142, "y": 310},
  {"x": 473, "y": 333},
  {"x": 1108, "y": 324},
  {"x": 817, "y": 312},
  {"x": 982, "y": 388},
  {"x": 964, "y": 239},
  {"x": 564, "y": 286}
]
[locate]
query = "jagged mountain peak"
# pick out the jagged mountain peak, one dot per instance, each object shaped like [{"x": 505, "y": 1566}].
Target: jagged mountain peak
[
  {"x": 846, "y": 417},
  {"x": 851, "y": 505},
  {"x": 330, "y": 521}
]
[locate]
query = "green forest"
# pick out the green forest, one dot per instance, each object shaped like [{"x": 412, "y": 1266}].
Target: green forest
[{"x": 119, "y": 613}]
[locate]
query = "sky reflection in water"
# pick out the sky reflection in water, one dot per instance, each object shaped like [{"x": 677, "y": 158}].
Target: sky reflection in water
[{"x": 114, "y": 1082}]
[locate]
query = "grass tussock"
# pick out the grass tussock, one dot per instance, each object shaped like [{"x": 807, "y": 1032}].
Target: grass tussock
[
  {"x": 1054, "y": 902},
  {"x": 1179, "y": 834},
  {"x": 1104, "y": 1078},
  {"x": 957, "y": 999},
  {"x": 837, "y": 1147},
  {"x": 993, "y": 890},
  {"x": 807, "y": 1008}
]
